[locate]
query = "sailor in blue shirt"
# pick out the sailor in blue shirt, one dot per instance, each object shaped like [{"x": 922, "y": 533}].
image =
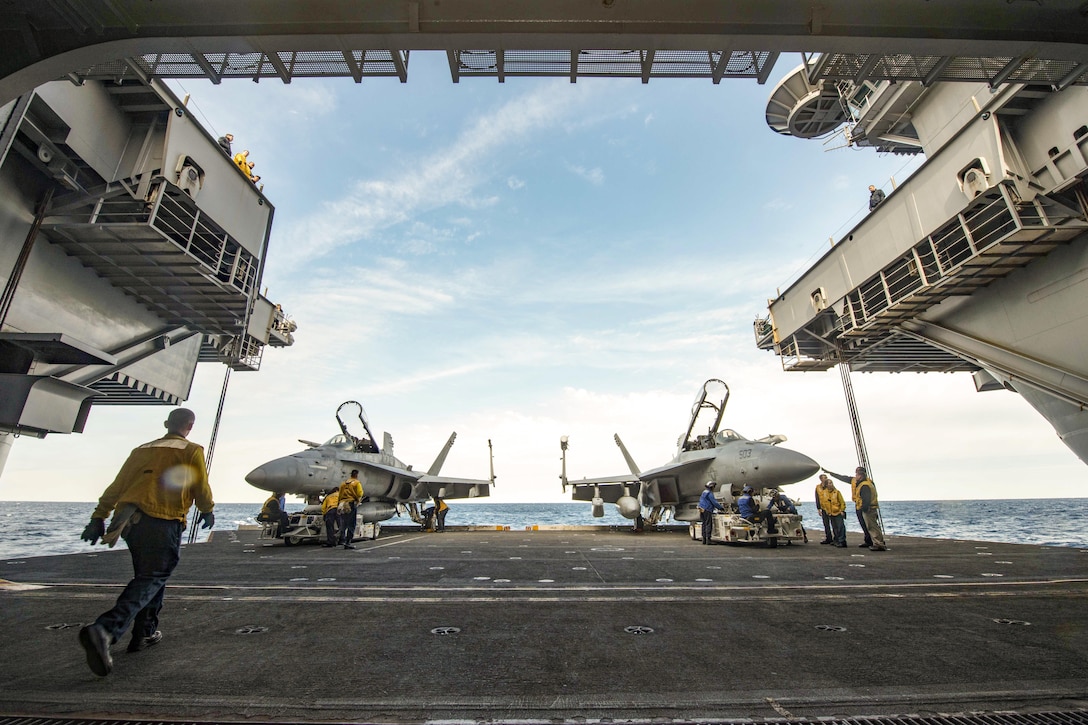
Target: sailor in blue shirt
[
  {"x": 781, "y": 502},
  {"x": 749, "y": 509},
  {"x": 747, "y": 505},
  {"x": 708, "y": 504}
]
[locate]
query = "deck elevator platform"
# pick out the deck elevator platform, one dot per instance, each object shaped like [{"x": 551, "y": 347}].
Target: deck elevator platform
[
  {"x": 132, "y": 248},
  {"x": 975, "y": 263}
]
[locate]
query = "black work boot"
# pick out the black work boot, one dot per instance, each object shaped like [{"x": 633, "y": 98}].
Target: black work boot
[
  {"x": 139, "y": 643},
  {"x": 96, "y": 642}
]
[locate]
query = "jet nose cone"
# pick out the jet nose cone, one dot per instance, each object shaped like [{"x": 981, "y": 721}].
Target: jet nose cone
[
  {"x": 787, "y": 466},
  {"x": 278, "y": 475},
  {"x": 257, "y": 477}
]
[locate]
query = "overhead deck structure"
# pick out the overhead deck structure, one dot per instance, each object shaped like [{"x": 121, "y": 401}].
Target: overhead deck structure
[
  {"x": 195, "y": 267},
  {"x": 131, "y": 248},
  {"x": 957, "y": 40},
  {"x": 975, "y": 263}
]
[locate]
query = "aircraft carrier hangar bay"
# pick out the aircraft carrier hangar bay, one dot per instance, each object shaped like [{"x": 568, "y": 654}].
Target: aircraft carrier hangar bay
[{"x": 571, "y": 660}]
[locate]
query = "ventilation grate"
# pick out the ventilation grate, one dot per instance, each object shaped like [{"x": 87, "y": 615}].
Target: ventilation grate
[{"x": 1070, "y": 717}]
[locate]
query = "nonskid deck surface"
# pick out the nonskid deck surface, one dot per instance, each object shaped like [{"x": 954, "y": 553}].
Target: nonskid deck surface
[
  {"x": 1059, "y": 717},
  {"x": 560, "y": 625}
]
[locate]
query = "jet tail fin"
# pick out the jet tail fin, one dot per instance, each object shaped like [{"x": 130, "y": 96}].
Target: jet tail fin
[
  {"x": 436, "y": 467},
  {"x": 491, "y": 456},
  {"x": 626, "y": 455},
  {"x": 563, "y": 443}
]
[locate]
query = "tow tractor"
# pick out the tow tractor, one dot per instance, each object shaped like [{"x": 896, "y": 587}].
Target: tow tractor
[
  {"x": 731, "y": 528},
  {"x": 309, "y": 525}
]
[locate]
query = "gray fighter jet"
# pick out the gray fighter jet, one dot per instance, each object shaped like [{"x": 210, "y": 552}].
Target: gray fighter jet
[
  {"x": 387, "y": 482},
  {"x": 724, "y": 456}
]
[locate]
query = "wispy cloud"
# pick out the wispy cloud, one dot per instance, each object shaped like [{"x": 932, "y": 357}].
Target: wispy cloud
[
  {"x": 232, "y": 106},
  {"x": 841, "y": 182},
  {"x": 652, "y": 280},
  {"x": 424, "y": 378},
  {"x": 451, "y": 176},
  {"x": 594, "y": 116},
  {"x": 594, "y": 176}
]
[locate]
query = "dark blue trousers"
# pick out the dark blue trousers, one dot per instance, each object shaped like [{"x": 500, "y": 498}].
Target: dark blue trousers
[
  {"x": 332, "y": 525},
  {"x": 155, "y": 547},
  {"x": 864, "y": 528},
  {"x": 706, "y": 518},
  {"x": 347, "y": 524},
  {"x": 838, "y": 524}
]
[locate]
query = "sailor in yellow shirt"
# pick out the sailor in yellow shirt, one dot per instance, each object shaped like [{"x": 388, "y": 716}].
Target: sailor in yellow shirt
[
  {"x": 350, "y": 494},
  {"x": 866, "y": 501},
  {"x": 440, "y": 511},
  {"x": 833, "y": 507},
  {"x": 828, "y": 536},
  {"x": 241, "y": 160},
  {"x": 863, "y": 491},
  {"x": 332, "y": 517},
  {"x": 273, "y": 512},
  {"x": 152, "y": 494}
]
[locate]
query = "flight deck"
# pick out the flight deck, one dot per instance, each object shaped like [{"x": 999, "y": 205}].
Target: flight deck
[{"x": 560, "y": 625}]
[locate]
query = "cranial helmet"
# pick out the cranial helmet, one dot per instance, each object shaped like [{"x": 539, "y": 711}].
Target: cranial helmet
[
  {"x": 710, "y": 484},
  {"x": 748, "y": 489}
]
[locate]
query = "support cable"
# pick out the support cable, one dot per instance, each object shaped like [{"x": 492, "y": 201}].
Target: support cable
[
  {"x": 855, "y": 419},
  {"x": 211, "y": 446},
  {"x": 855, "y": 425},
  {"x": 237, "y": 353}
]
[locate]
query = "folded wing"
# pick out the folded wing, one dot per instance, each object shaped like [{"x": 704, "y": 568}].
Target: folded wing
[
  {"x": 609, "y": 488},
  {"x": 454, "y": 488}
]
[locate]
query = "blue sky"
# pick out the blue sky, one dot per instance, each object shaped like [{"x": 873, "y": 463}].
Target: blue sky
[{"x": 532, "y": 259}]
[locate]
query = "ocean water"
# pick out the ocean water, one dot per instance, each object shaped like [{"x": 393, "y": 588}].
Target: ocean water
[{"x": 43, "y": 529}]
